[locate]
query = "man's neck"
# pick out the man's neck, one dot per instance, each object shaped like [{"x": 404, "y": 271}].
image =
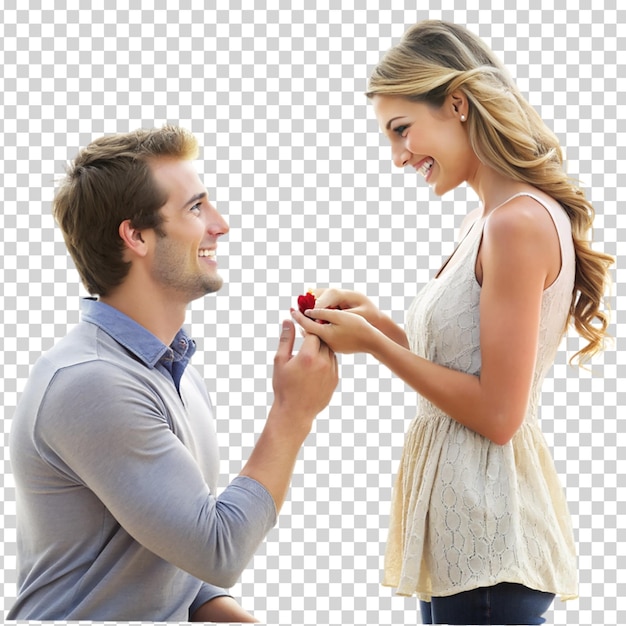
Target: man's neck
[{"x": 161, "y": 316}]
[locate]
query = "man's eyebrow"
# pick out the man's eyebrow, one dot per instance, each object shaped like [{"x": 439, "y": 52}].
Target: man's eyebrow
[
  {"x": 391, "y": 120},
  {"x": 196, "y": 197}
]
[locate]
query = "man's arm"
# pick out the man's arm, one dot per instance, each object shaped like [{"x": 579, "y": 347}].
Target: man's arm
[
  {"x": 108, "y": 431},
  {"x": 303, "y": 386}
]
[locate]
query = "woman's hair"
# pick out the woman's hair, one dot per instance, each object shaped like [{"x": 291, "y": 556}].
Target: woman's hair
[
  {"x": 436, "y": 58},
  {"x": 111, "y": 181}
]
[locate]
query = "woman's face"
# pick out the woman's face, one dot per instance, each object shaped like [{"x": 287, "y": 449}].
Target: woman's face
[{"x": 433, "y": 141}]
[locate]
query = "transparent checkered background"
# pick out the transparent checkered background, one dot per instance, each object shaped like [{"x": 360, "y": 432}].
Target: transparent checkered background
[{"x": 294, "y": 160}]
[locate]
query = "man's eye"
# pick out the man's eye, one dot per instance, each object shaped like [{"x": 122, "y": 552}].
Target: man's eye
[{"x": 195, "y": 207}]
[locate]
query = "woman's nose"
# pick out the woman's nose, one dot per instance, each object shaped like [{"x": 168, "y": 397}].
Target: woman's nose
[{"x": 402, "y": 157}]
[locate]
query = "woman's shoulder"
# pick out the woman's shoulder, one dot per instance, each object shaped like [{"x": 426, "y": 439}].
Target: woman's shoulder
[
  {"x": 523, "y": 216},
  {"x": 528, "y": 199},
  {"x": 524, "y": 231}
]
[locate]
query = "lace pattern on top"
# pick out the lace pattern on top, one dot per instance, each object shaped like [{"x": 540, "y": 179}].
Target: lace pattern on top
[{"x": 467, "y": 512}]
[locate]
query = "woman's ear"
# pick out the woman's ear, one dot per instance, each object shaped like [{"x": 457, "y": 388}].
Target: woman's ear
[
  {"x": 459, "y": 106},
  {"x": 133, "y": 239}
]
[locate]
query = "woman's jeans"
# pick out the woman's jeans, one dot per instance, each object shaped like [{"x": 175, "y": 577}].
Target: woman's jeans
[{"x": 506, "y": 603}]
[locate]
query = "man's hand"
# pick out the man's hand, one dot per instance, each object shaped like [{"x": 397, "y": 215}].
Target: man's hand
[{"x": 303, "y": 385}]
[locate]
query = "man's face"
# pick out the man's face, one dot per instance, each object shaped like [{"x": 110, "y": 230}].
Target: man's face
[{"x": 184, "y": 252}]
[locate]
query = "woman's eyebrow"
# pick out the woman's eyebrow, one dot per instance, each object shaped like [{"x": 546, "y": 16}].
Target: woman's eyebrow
[{"x": 391, "y": 120}]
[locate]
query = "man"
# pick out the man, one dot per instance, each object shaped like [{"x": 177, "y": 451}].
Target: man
[{"x": 113, "y": 446}]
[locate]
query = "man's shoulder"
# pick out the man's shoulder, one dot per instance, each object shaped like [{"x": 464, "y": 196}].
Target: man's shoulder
[
  {"x": 88, "y": 357},
  {"x": 78, "y": 346},
  {"x": 87, "y": 343},
  {"x": 85, "y": 372}
]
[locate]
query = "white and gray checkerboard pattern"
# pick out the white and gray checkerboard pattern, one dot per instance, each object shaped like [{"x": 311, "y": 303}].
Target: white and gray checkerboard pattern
[{"x": 293, "y": 158}]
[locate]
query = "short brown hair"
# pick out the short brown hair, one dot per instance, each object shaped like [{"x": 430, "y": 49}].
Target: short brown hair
[{"x": 111, "y": 181}]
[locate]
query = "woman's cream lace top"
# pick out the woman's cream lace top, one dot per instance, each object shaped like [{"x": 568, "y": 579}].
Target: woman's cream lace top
[{"x": 467, "y": 512}]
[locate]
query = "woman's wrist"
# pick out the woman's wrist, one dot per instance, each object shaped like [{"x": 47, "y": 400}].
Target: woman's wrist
[{"x": 390, "y": 329}]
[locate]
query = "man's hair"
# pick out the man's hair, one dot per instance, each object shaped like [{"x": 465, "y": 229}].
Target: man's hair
[{"x": 111, "y": 181}]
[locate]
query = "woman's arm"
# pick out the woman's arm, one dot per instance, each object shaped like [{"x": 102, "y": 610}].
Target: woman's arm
[{"x": 517, "y": 263}]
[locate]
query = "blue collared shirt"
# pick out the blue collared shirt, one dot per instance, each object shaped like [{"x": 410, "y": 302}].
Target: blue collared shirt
[{"x": 148, "y": 348}]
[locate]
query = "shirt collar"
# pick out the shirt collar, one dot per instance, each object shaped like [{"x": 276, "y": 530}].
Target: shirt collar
[{"x": 134, "y": 337}]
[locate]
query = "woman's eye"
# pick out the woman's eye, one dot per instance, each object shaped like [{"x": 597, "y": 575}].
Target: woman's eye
[{"x": 399, "y": 130}]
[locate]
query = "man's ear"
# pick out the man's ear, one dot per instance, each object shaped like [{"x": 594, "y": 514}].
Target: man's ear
[{"x": 133, "y": 239}]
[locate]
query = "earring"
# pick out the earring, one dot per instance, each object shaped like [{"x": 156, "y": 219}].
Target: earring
[{"x": 462, "y": 118}]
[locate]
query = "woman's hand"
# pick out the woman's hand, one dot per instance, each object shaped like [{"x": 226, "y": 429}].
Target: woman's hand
[
  {"x": 346, "y": 332},
  {"x": 358, "y": 304},
  {"x": 351, "y": 301}
]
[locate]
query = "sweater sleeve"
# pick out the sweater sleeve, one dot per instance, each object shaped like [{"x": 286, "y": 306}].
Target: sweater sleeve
[
  {"x": 108, "y": 431},
  {"x": 207, "y": 592}
]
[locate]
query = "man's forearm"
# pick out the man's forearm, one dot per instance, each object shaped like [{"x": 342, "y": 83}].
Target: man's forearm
[{"x": 273, "y": 459}]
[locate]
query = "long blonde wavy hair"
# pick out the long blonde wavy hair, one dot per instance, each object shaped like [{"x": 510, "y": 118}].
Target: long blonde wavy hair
[{"x": 436, "y": 58}]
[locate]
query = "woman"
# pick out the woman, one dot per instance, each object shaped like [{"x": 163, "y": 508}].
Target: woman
[{"x": 480, "y": 530}]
